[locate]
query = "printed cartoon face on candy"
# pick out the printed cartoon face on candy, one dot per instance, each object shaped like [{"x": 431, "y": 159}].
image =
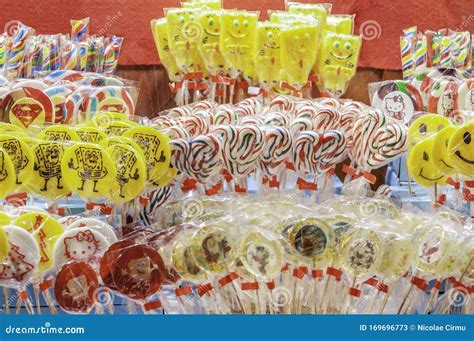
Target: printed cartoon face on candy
[
  {"x": 461, "y": 149},
  {"x": 394, "y": 105},
  {"x": 426, "y": 126},
  {"x": 53, "y": 155}
]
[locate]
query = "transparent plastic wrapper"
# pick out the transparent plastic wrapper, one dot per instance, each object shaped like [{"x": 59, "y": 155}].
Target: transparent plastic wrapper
[{"x": 337, "y": 61}]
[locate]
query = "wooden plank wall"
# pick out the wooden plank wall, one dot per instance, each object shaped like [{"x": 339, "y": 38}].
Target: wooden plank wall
[{"x": 155, "y": 95}]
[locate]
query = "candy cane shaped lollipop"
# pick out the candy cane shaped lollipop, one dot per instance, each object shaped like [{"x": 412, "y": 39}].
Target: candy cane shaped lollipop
[
  {"x": 334, "y": 150},
  {"x": 307, "y": 151},
  {"x": 225, "y": 114},
  {"x": 331, "y": 102},
  {"x": 300, "y": 124},
  {"x": 179, "y": 154},
  {"x": 276, "y": 119},
  {"x": 245, "y": 110},
  {"x": 196, "y": 125},
  {"x": 326, "y": 118},
  {"x": 204, "y": 157},
  {"x": 282, "y": 103},
  {"x": 253, "y": 102},
  {"x": 306, "y": 111},
  {"x": 348, "y": 118},
  {"x": 278, "y": 143}
]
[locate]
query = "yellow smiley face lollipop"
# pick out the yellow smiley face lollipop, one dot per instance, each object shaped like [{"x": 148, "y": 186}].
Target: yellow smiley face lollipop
[
  {"x": 184, "y": 32},
  {"x": 338, "y": 60},
  {"x": 237, "y": 39},
  {"x": 21, "y": 156},
  {"x": 58, "y": 133},
  {"x": 155, "y": 146},
  {"x": 425, "y": 127},
  {"x": 267, "y": 53},
  {"x": 47, "y": 178},
  {"x": 421, "y": 166},
  {"x": 441, "y": 158},
  {"x": 131, "y": 172},
  {"x": 298, "y": 52},
  {"x": 89, "y": 170},
  {"x": 46, "y": 231},
  {"x": 7, "y": 175},
  {"x": 208, "y": 44},
  {"x": 461, "y": 149},
  {"x": 160, "y": 34},
  {"x": 90, "y": 134}
]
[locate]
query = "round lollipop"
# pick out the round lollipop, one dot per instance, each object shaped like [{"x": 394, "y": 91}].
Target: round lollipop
[
  {"x": 460, "y": 149},
  {"x": 95, "y": 224},
  {"x": 311, "y": 238},
  {"x": 155, "y": 146},
  {"x": 183, "y": 261},
  {"x": 79, "y": 244},
  {"x": 440, "y": 151},
  {"x": 426, "y": 126},
  {"x": 58, "y": 133},
  {"x": 21, "y": 156},
  {"x": 47, "y": 178},
  {"x": 131, "y": 172},
  {"x": 90, "y": 134},
  {"x": 76, "y": 287},
  {"x": 109, "y": 258},
  {"x": 139, "y": 272},
  {"x": 90, "y": 171},
  {"x": 46, "y": 231}
]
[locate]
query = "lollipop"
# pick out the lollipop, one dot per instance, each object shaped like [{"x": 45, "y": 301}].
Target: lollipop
[
  {"x": 267, "y": 54},
  {"x": 298, "y": 53},
  {"x": 278, "y": 144},
  {"x": 311, "y": 238},
  {"x": 46, "y": 231},
  {"x": 422, "y": 166},
  {"x": 79, "y": 29},
  {"x": 58, "y": 133},
  {"x": 131, "y": 172},
  {"x": 46, "y": 179},
  {"x": 460, "y": 149},
  {"x": 338, "y": 61},
  {"x": 103, "y": 228},
  {"x": 90, "y": 134},
  {"x": 155, "y": 146},
  {"x": 90, "y": 171},
  {"x": 21, "y": 156},
  {"x": 466, "y": 95},
  {"x": 76, "y": 287},
  {"x": 237, "y": 39},
  {"x": 426, "y": 126},
  {"x": 208, "y": 43},
  {"x": 184, "y": 32},
  {"x": 442, "y": 97},
  {"x": 203, "y": 160}
]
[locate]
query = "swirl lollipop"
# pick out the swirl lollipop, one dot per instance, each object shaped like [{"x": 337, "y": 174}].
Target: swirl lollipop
[
  {"x": 203, "y": 160},
  {"x": 278, "y": 144}
]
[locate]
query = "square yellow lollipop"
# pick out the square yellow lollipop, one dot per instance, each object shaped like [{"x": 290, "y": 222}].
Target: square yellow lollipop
[
  {"x": 340, "y": 23},
  {"x": 208, "y": 44},
  {"x": 237, "y": 39},
  {"x": 298, "y": 52},
  {"x": 267, "y": 53},
  {"x": 184, "y": 32},
  {"x": 338, "y": 61},
  {"x": 160, "y": 35}
]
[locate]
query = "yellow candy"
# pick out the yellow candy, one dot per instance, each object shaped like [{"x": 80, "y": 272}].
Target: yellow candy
[
  {"x": 118, "y": 128},
  {"x": 115, "y": 140},
  {"x": 4, "y": 219},
  {"x": 267, "y": 53},
  {"x": 166, "y": 178},
  {"x": 7, "y": 128},
  {"x": 47, "y": 178},
  {"x": 7, "y": 175},
  {"x": 425, "y": 127},
  {"x": 211, "y": 4},
  {"x": 441, "y": 158},
  {"x": 21, "y": 156},
  {"x": 208, "y": 44},
  {"x": 89, "y": 170},
  {"x": 338, "y": 60},
  {"x": 90, "y": 134},
  {"x": 160, "y": 34},
  {"x": 343, "y": 24},
  {"x": 184, "y": 32},
  {"x": 46, "y": 231},
  {"x": 298, "y": 52},
  {"x": 237, "y": 39},
  {"x": 3, "y": 244},
  {"x": 280, "y": 17},
  {"x": 461, "y": 149},
  {"x": 58, "y": 133},
  {"x": 155, "y": 146},
  {"x": 421, "y": 165},
  {"x": 100, "y": 120},
  {"x": 131, "y": 172}
]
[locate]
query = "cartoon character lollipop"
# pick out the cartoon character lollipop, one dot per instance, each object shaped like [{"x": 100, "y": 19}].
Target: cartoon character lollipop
[
  {"x": 21, "y": 156},
  {"x": 90, "y": 171},
  {"x": 58, "y": 133},
  {"x": 298, "y": 52},
  {"x": 76, "y": 287},
  {"x": 208, "y": 43},
  {"x": 267, "y": 53},
  {"x": 7, "y": 174},
  {"x": 90, "y": 134},
  {"x": 47, "y": 177},
  {"x": 160, "y": 34},
  {"x": 338, "y": 61}
]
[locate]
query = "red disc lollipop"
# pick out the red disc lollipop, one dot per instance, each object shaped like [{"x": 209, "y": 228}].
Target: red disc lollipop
[
  {"x": 76, "y": 287},
  {"x": 109, "y": 258},
  {"x": 138, "y": 272}
]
